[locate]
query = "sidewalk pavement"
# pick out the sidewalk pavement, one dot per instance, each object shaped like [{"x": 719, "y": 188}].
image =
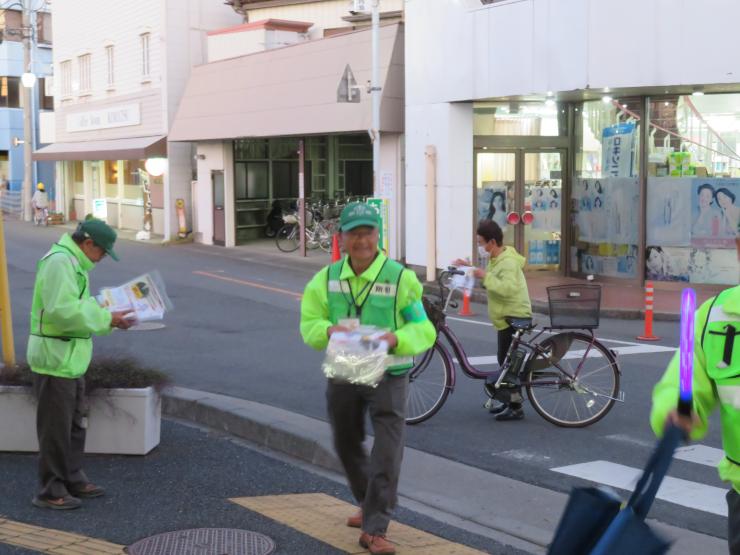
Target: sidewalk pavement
[{"x": 462, "y": 496}]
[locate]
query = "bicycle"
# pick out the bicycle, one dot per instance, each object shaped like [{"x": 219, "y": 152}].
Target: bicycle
[
  {"x": 40, "y": 216},
  {"x": 543, "y": 367},
  {"x": 318, "y": 234}
]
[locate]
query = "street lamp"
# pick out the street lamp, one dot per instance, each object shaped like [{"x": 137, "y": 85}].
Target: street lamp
[
  {"x": 155, "y": 166},
  {"x": 28, "y": 80}
]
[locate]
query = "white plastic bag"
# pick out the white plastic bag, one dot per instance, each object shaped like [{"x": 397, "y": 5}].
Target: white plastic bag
[{"x": 358, "y": 357}]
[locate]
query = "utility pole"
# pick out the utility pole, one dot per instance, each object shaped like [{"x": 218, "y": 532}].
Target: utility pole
[
  {"x": 375, "y": 95},
  {"x": 27, "y": 192}
]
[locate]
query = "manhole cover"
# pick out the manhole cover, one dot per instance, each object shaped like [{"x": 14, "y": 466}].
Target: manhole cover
[{"x": 204, "y": 541}]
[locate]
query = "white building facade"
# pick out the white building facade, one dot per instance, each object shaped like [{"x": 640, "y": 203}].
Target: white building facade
[
  {"x": 120, "y": 69},
  {"x": 601, "y": 148},
  {"x": 274, "y": 82}
]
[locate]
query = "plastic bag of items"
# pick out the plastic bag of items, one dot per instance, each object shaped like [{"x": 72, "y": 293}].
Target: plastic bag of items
[{"x": 358, "y": 357}]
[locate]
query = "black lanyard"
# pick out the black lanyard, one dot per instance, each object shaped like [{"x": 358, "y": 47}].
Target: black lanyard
[{"x": 352, "y": 301}]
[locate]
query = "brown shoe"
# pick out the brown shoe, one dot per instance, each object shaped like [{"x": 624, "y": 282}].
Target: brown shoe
[
  {"x": 355, "y": 521},
  {"x": 377, "y": 545},
  {"x": 57, "y": 503}
]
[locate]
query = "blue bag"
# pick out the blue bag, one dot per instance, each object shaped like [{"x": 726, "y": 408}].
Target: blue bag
[{"x": 591, "y": 526}]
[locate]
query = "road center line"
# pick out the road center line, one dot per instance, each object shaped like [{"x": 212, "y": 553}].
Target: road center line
[{"x": 250, "y": 284}]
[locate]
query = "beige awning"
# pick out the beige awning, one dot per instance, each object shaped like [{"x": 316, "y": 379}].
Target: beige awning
[
  {"x": 293, "y": 90},
  {"x": 135, "y": 148}
]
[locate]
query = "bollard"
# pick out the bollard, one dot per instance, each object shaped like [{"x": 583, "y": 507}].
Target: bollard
[
  {"x": 465, "y": 310},
  {"x": 649, "y": 296},
  {"x": 335, "y": 253}
]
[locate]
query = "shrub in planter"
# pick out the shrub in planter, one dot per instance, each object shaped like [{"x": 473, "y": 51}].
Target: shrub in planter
[{"x": 125, "y": 408}]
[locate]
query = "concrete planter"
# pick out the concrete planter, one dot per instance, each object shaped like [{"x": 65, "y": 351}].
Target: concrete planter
[{"x": 121, "y": 421}]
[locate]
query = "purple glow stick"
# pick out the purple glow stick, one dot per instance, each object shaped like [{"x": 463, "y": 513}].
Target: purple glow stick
[{"x": 686, "y": 356}]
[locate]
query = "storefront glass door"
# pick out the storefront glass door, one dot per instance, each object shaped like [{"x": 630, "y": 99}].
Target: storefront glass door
[{"x": 521, "y": 190}]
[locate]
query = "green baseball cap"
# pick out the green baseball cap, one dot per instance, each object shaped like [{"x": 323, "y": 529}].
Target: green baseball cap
[
  {"x": 358, "y": 214},
  {"x": 101, "y": 234}
]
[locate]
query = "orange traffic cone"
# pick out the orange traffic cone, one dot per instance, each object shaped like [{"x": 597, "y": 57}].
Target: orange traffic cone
[
  {"x": 335, "y": 254},
  {"x": 465, "y": 310},
  {"x": 649, "y": 298}
]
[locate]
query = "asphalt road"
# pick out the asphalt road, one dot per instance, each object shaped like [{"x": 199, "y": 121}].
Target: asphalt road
[{"x": 234, "y": 331}]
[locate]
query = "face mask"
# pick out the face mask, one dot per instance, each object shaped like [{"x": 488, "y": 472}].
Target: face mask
[{"x": 482, "y": 252}]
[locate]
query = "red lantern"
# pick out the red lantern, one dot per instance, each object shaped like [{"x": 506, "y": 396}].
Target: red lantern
[
  {"x": 512, "y": 218},
  {"x": 527, "y": 218}
]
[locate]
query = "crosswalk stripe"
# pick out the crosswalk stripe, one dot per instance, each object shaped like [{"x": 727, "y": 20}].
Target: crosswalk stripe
[
  {"x": 621, "y": 351},
  {"x": 48, "y": 540},
  {"x": 323, "y": 517},
  {"x": 700, "y": 454},
  {"x": 689, "y": 494}
]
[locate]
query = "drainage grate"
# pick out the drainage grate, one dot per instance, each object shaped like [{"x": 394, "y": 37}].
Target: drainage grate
[{"x": 204, "y": 541}]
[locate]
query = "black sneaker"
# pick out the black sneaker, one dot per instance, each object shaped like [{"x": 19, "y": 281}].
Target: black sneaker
[
  {"x": 510, "y": 414},
  {"x": 495, "y": 407}
]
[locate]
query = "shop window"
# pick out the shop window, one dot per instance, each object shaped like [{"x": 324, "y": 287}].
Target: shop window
[
  {"x": 250, "y": 149},
  {"x": 285, "y": 179},
  {"x": 358, "y": 178},
  {"x": 251, "y": 181},
  {"x": 111, "y": 178},
  {"x": 283, "y": 149},
  {"x": 605, "y": 196},
  {"x": 43, "y": 27},
  {"x": 65, "y": 68},
  {"x": 10, "y": 92},
  {"x": 78, "y": 178},
  {"x": 693, "y": 188},
  {"x": 11, "y": 19},
  {"x": 132, "y": 180},
  {"x": 84, "y": 66},
  {"x": 46, "y": 95},
  {"x": 542, "y": 119}
]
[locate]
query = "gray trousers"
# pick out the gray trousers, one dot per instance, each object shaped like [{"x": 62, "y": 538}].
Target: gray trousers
[
  {"x": 61, "y": 428},
  {"x": 373, "y": 480},
  {"x": 733, "y": 521}
]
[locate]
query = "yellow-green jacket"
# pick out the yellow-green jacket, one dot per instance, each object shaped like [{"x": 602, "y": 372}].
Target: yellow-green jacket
[
  {"x": 415, "y": 333},
  {"x": 715, "y": 382},
  {"x": 64, "y": 316},
  {"x": 506, "y": 287}
]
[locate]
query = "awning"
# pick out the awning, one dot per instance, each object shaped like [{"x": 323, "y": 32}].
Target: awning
[
  {"x": 293, "y": 90},
  {"x": 135, "y": 148}
]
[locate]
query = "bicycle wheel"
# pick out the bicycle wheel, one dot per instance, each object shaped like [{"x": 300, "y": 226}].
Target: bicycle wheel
[
  {"x": 429, "y": 385},
  {"x": 324, "y": 239},
  {"x": 574, "y": 381},
  {"x": 287, "y": 238}
]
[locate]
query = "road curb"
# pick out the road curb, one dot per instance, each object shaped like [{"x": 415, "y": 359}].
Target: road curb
[{"x": 264, "y": 425}]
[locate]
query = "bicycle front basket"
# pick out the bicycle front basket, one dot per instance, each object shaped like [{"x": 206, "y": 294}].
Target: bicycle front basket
[{"x": 574, "y": 306}]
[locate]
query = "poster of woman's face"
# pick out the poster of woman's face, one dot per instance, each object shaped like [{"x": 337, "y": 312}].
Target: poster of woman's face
[
  {"x": 492, "y": 203},
  {"x": 666, "y": 264},
  {"x": 715, "y": 212}
]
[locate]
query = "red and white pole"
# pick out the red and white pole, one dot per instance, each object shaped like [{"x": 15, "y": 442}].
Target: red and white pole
[{"x": 649, "y": 299}]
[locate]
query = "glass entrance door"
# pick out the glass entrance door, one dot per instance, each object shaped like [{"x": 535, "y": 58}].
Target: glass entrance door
[{"x": 521, "y": 190}]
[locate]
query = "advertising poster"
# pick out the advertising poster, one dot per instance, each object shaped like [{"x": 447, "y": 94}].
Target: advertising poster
[
  {"x": 544, "y": 202},
  {"x": 617, "y": 150},
  {"x": 608, "y": 210},
  {"x": 668, "y": 211},
  {"x": 716, "y": 266},
  {"x": 492, "y": 202},
  {"x": 715, "y": 211},
  {"x": 667, "y": 264}
]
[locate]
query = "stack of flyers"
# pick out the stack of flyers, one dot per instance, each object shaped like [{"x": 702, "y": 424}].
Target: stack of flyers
[{"x": 144, "y": 298}]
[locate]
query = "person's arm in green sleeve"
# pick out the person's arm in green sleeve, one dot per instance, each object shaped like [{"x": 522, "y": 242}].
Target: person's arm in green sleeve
[
  {"x": 417, "y": 333},
  {"x": 502, "y": 279},
  {"x": 315, "y": 312},
  {"x": 666, "y": 391},
  {"x": 63, "y": 307}
]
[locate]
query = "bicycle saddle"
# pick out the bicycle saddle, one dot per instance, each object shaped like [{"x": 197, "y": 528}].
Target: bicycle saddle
[{"x": 524, "y": 324}]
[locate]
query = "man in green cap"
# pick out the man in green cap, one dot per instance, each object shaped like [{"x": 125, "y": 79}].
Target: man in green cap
[
  {"x": 64, "y": 317},
  {"x": 368, "y": 288}
]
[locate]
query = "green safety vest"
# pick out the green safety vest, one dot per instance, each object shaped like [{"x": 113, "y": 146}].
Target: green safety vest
[
  {"x": 721, "y": 344},
  {"x": 376, "y": 307}
]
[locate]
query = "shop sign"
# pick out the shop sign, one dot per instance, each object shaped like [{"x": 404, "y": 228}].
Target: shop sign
[
  {"x": 117, "y": 116},
  {"x": 383, "y": 206},
  {"x": 100, "y": 208}
]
